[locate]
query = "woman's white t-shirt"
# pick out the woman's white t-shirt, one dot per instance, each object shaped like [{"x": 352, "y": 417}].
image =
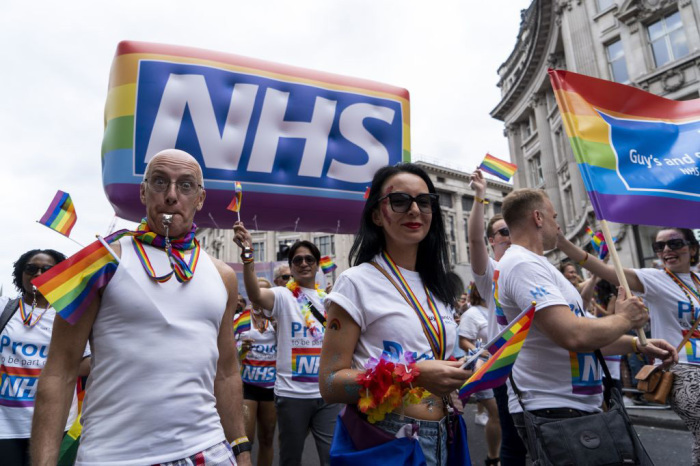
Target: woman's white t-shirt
[
  {"x": 670, "y": 311},
  {"x": 474, "y": 324},
  {"x": 23, "y": 353},
  {"x": 386, "y": 321},
  {"x": 258, "y": 367}
]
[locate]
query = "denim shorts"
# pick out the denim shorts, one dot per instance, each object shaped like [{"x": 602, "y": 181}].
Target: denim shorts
[
  {"x": 483, "y": 394},
  {"x": 432, "y": 436}
]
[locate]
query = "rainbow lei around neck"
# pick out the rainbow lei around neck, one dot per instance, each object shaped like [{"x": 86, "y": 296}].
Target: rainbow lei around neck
[
  {"x": 314, "y": 326},
  {"x": 386, "y": 384}
]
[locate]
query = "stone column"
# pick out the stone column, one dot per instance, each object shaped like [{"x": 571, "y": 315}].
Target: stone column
[
  {"x": 544, "y": 135},
  {"x": 512, "y": 132},
  {"x": 579, "y": 47}
]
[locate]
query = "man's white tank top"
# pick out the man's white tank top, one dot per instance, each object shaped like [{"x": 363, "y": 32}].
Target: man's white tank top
[{"x": 150, "y": 395}]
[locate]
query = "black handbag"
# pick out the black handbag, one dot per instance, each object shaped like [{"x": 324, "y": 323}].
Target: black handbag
[{"x": 605, "y": 438}]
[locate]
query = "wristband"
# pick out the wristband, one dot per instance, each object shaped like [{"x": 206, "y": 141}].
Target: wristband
[
  {"x": 634, "y": 345},
  {"x": 584, "y": 260},
  {"x": 241, "y": 447},
  {"x": 240, "y": 440},
  {"x": 247, "y": 255},
  {"x": 480, "y": 200}
]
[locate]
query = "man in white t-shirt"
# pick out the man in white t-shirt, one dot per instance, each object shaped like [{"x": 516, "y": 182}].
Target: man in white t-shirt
[
  {"x": 299, "y": 311},
  {"x": 164, "y": 385},
  {"x": 556, "y": 370},
  {"x": 513, "y": 451}
]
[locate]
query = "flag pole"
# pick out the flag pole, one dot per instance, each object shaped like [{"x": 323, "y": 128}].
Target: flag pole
[
  {"x": 111, "y": 251},
  {"x": 37, "y": 221},
  {"x": 612, "y": 250}
]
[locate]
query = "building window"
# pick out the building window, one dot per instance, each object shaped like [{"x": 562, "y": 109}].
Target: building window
[
  {"x": 605, "y": 4},
  {"x": 465, "y": 222},
  {"x": 467, "y": 203},
  {"x": 326, "y": 245},
  {"x": 497, "y": 207},
  {"x": 527, "y": 131},
  {"x": 617, "y": 66},
  {"x": 283, "y": 246},
  {"x": 445, "y": 199},
  {"x": 667, "y": 38},
  {"x": 451, "y": 237},
  {"x": 536, "y": 171},
  {"x": 569, "y": 206},
  {"x": 259, "y": 251}
]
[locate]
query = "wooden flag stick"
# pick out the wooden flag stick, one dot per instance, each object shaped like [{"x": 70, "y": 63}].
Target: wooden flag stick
[{"x": 620, "y": 271}]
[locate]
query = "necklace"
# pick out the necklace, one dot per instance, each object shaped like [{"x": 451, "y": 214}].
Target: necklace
[
  {"x": 27, "y": 318},
  {"x": 260, "y": 327},
  {"x": 687, "y": 290},
  {"x": 305, "y": 306}
]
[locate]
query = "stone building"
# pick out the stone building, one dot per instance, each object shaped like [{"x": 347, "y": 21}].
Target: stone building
[
  {"x": 651, "y": 44},
  {"x": 456, "y": 200}
]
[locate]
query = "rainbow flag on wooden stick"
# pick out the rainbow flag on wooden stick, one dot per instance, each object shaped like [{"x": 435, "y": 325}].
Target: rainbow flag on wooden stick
[
  {"x": 504, "y": 349},
  {"x": 235, "y": 205},
  {"x": 497, "y": 167},
  {"x": 72, "y": 285},
  {"x": 637, "y": 152},
  {"x": 60, "y": 215}
]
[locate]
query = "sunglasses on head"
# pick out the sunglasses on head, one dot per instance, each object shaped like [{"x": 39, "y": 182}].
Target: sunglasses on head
[
  {"x": 32, "y": 269},
  {"x": 309, "y": 259},
  {"x": 673, "y": 244},
  {"x": 503, "y": 231},
  {"x": 402, "y": 202}
]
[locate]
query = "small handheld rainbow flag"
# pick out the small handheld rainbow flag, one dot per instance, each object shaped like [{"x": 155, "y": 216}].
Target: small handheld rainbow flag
[
  {"x": 598, "y": 243},
  {"x": 61, "y": 215},
  {"x": 327, "y": 264},
  {"x": 504, "y": 349},
  {"x": 497, "y": 167},
  {"x": 71, "y": 441},
  {"x": 235, "y": 205},
  {"x": 241, "y": 323},
  {"x": 72, "y": 285}
]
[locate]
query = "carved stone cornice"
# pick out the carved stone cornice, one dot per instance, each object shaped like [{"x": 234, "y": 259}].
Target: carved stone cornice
[
  {"x": 673, "y": 80},
  {"x": 536, "y": 99},
  {"x": 634, "y": 12}
]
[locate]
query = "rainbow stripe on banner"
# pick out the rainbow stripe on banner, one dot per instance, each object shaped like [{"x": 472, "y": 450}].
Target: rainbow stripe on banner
[
  {"x": 327, "y": 264},
  {"x": 61, "y": 215},
  {"x": 637, "y": 152},
  {"x": 241, "y": 323},
  {"x": 72, "y": 285},
  {"x": 504, "y": 349},
  {"x": 497, "y": 167},
  {"x": 235, "y": 205}
]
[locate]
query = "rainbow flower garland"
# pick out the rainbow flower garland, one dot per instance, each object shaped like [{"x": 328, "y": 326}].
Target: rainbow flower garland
[
  {"x": 386, "y": 384},
  {"x": 314, "y": 326}
]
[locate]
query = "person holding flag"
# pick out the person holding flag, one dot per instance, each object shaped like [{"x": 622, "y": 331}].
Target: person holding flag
[
  {"x": 148, "y": 401},
  {"x": 557, "y": 373},
  {"x": 391, "y": 325},
  {"x": 672, "y": 295}
]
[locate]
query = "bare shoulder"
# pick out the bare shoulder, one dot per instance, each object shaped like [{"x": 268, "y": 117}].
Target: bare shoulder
[{"x": 226, "y": 272}]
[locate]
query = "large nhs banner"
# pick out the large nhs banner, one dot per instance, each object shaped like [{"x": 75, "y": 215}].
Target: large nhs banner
[{"x": 303, "y": 144}]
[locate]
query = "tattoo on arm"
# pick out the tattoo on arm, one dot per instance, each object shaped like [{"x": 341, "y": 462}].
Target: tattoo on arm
[{"x": 334, "y": 324}]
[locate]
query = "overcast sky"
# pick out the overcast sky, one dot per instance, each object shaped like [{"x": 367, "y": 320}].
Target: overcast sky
[{"x": 57, "y": 55}]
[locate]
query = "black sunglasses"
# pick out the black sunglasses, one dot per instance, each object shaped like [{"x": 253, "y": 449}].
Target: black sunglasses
[
  {"x": 503, "y": 231},
  {"x": 311, "y": 260},
  {"x": 32, "y": 269},
  {"x": 402, "y": 202},
  {"x": 286, "y": 276},
  {"x": 673, "y": 244}
]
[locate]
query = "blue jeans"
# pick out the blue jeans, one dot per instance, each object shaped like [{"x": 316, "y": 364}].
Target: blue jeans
[{"x": 432, "y": 436}]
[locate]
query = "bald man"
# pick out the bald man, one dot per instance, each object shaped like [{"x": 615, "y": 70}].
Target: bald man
[{"x": 164, "y": 386}]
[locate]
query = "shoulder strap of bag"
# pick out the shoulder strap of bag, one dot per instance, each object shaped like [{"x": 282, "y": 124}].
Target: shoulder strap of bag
[
  {"x": 9, "y": 311},
  {"x": 688, "y": 335},
  {"x": 401, "y": 292},
  {"x": 316, "y": 314}
]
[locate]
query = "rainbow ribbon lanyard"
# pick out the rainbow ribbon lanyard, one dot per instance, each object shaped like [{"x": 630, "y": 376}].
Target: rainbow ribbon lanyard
[
  {"x": 27, "y": 318},
  {"x": 434, "y": 332},
  {"x": 182, "y": 270},
  {"x": 687, "y": 290}
]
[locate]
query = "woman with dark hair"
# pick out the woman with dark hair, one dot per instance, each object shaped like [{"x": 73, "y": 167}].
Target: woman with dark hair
[
  {"x": 301, "y": 324},
  {"x": 394, "y": 311},
  {"x": 24, "y": 345},
  {"x": 672, "y": 295}
]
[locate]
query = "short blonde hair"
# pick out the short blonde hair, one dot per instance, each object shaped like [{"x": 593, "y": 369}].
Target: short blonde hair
[
  {"x": 520, "y": 203},
  {"x": 265, "y": 281}
]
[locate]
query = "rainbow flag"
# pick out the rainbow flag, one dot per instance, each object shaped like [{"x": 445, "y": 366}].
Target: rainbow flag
[
  {"x": 241, "y": 323},
  {"x": 598, "y": 242},
  {"x": 71, "y": 441},
  {"x": 72, "y": 285},
  {"x": 327, "y": 264},
  {"x": 504, "y": 350},
  {"x": 235, "y": 205},
  {"x": 497, "y": 167},
  {"x": 637, "y": 152},
  {"x": 61, "y": 214}
]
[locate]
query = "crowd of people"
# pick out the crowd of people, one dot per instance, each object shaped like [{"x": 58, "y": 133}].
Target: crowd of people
[{"x": 374, "y": 361}]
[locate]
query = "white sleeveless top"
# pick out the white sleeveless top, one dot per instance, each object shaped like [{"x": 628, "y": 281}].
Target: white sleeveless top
[{"x": 150, "y": 395}]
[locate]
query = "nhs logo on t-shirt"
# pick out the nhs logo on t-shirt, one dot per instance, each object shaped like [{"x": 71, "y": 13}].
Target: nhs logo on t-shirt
[
  {"x": 305, "y": 363},
  {"x": 18, "y": 386}
]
